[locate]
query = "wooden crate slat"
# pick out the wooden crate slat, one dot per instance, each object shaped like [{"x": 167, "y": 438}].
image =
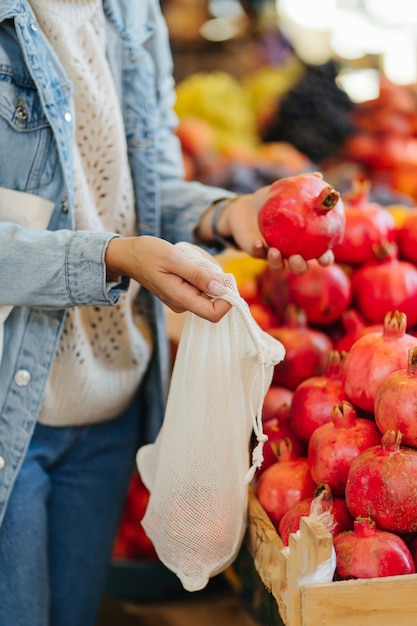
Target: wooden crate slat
[{"x": 387, "y": 601}]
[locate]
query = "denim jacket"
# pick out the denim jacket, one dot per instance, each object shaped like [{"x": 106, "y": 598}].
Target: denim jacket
[{"x": 43, "y": 272}]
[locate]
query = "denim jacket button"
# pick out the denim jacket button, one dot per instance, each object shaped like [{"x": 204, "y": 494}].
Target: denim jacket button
[
  {"x": 34, "y": 27},
  {"x": 67, "y": 116},
  {"x": 2, "y": 463},
  {"x": 22, "y": 378}
]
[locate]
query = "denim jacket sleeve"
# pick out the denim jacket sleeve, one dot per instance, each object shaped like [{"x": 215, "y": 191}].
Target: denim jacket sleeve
[{"x": 53, "y": 269}]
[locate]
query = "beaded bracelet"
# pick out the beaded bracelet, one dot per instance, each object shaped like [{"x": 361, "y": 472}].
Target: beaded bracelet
[{"x": 223, "y": 241}]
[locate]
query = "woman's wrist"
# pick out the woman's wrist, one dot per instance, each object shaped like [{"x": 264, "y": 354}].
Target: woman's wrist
[
  {"x": 115, "y": 259},
  {"x": 218, "y": 214},
  {"x": 214, "y": 225}
]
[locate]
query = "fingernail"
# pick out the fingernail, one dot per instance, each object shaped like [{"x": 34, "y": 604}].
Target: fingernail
[{"x": 216, "y": 288}]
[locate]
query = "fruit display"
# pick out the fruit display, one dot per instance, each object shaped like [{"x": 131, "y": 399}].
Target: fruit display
[
  {"x": 350, "y": 380},
  {"x": 344, "y": 440},
  {"x": 219, "y": 128},
  {"x": 339, "y": 416},
  {"x": 287, "y": 119},
  {"x": 384, "y": 142}
]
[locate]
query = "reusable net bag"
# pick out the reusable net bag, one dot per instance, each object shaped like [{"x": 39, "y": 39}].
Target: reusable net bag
[{"x": 198, "y": 468}]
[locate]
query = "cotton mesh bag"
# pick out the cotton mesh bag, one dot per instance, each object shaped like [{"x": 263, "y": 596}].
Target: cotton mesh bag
[{"x": 199, "y": 466}]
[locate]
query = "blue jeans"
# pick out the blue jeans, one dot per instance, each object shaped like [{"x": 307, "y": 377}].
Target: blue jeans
[{"x": 57, "y": 536}]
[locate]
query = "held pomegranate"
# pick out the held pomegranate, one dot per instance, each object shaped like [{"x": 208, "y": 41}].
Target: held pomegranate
[
  {"x": 382, "y": 484},
  {"x": 368, "y": 552},
  {"x": 373, "y": 357},
  {"x": 314, "y": 397},
  {"x": 303, "y": 215},
  {"x": 284, "y": 483},
  {"x": 331, "y": 511},
  {"x": 334, "y": 445},
  {"x": 395, "y": 402}
]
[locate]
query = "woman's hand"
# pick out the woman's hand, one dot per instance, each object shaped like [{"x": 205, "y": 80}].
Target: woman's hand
[
  {"x": 239, "y": 220},
  {"x": 168, "y": 274}
]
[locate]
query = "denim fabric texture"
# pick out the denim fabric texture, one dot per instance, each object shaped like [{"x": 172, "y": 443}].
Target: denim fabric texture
[
  {"x": 67, "y": 496},
  {"x": 44, "y": 272}
]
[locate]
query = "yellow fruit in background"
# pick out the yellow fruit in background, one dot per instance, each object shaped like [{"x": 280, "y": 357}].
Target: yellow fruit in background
[
  {"x": 399, "y": 212},
  {"x": 266, "y": 86},
  {"x": 218, "y": 98},
  {"x": 243, "y": 267}
]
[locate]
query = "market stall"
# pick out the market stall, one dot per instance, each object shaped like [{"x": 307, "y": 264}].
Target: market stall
[{"x": 326, "y": 87}]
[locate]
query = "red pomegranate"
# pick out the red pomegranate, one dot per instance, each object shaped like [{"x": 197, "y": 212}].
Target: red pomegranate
[
  {"x": 407, "y": 238},
  {"x": 354, "y": 327},
  {"x": 333, "y": 446},
  {"x": 276, "y": 398},
  {"x": 373, "y": 357},
  {"x": 382, "y": 484},
  {"x": 395, "y": 402},
  {"x": 273, "y": 289},
  {"x": 314, "y": 397},
  {"x": 303, "y": 215},
  {"x": 306, "y": 349},
  {"x": 331, "y": 511},
  {"x": 276, "y": 433},
  {"x": 368, "y": 552},
  {"x": 324, "y": 292},
  {"x": 367, "y": 224},
  {"x": 284, "y": 483},
  {"x": 385, "y": 284}
]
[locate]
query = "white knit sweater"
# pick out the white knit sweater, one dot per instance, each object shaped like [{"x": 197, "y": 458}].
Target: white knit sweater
[{"x": 103, "y": 351}]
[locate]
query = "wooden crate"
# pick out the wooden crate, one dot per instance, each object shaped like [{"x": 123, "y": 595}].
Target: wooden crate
[{"x": 389, "y": 601}]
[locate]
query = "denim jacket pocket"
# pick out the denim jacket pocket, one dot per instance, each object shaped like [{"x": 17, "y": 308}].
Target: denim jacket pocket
[{"x": 28, "y": 155}]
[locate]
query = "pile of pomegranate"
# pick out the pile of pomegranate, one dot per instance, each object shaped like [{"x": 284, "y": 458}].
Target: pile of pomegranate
[{"x": 340, "y": 414}]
